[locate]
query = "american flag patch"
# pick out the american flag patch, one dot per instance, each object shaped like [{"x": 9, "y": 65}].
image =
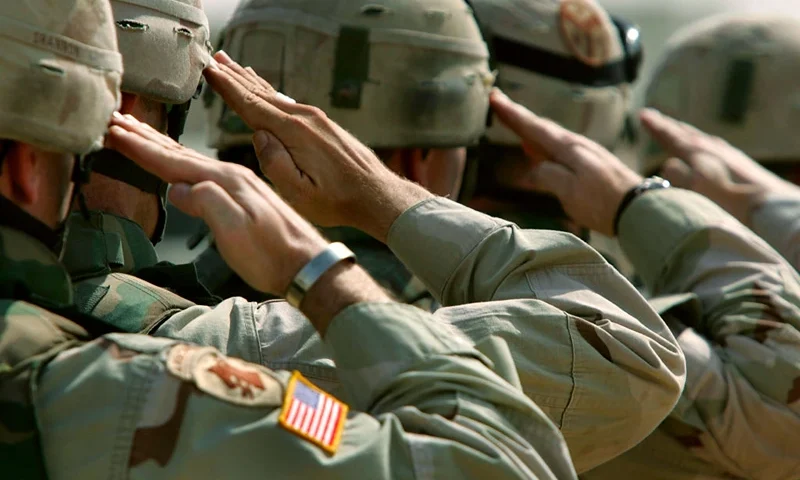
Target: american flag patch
[{"x": 313, "y": 414}]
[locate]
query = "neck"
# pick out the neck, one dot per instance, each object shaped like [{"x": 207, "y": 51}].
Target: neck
[{"x": 105, "y": 194}]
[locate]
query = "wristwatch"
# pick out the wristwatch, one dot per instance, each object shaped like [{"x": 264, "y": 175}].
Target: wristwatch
[
  {"x": 307, "y": 276},
  {"x": 650, "y": 183}
]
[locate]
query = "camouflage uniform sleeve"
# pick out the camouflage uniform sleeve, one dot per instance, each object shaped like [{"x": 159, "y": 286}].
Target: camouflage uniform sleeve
[
  {"x": 778, "y": 222},
  {"x": 741, "y": 406},
  {"x": 131, "y": 406},
  {"x": 588, "y": 348}
]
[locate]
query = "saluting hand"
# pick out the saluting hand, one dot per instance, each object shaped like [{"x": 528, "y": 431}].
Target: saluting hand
[
  {"x": 319, "y": 168},
  {"x": 588, "y": 180},
  {"x": 712, "y": 167}
]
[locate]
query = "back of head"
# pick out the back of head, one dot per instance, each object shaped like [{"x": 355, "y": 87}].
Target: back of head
[
  {"x": 395, "y": 73},
  {"x": 59, "y": 73},
  {"x": 566, "y": 60},
  {"x": 733, "y": 76}
]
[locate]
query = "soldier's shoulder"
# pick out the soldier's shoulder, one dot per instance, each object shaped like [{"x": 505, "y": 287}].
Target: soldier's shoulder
[
  {"x": 124, "y": 299},
  {"x": 27, "y": 330}
]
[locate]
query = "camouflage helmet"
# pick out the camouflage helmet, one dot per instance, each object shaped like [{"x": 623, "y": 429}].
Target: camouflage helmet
[
  {"x": 566, "y": 60},
  {"x": 395, "y": 73},
  {"x": 733, "y": 76},
  {"x": 165, "y": 46},
  {"x": 59, "y": 73}
]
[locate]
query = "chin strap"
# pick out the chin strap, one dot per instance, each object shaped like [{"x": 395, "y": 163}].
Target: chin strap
[{"x": 119, "y": 167}]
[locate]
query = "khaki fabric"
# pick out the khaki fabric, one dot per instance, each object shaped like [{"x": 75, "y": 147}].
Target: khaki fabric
[
  {"x": 777, "y": 221},
  {"x": 733, "y": 76},
  {"x": 119, "y": 407},
  {"x": 60, "y": 73},
  {"x": 739, "y": 414},
  {"x": 165, "y": 45},
  {"x": 399, "y": 73},
  {"x": 579, "y": 30}
]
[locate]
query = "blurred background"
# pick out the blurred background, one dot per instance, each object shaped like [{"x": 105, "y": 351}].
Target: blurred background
[{"x": 657, "y": 19}]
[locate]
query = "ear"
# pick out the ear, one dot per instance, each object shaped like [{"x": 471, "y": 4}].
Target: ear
[
  {"x": 129, "y": 101},
  {"x": 23, "y": 175}
]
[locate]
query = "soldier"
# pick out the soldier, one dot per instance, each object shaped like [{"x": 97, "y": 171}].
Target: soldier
[
  {"x": 76, "y": 404},
  {"x": 587, "y": 318},
  {"x": 165, "y": 47},
  {"x": 732, "y": 301},
  {"x": 566, "y": 60},
  {"x": 409, "y": 79},
  {"x": 733, "y": 77},
  {"x": 569, "y": 318}
]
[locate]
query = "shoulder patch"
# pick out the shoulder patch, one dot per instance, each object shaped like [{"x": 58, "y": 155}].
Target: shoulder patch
[
  {"x": 228, "y": 379},
  {"x": 583, "y": 30},
  {"x": 313, "y": 414}
]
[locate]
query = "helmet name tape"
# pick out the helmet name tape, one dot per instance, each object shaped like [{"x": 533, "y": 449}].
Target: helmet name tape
[{"x": 60, "y": 45}]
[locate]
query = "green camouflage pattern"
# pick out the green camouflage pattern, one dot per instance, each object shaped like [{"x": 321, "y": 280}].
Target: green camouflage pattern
[
  {"x": 736, "y": 319},
  {"x": 102, "y": 254},
  {"x": 29, "y": 275},
  {"x": 432, "y": 408}
]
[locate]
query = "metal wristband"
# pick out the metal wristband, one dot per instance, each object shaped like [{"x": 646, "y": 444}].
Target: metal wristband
[{"x": 316, "y": 268}]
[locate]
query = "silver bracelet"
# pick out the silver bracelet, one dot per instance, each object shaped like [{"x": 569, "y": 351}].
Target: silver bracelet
[{"x": 308, "y": 275}]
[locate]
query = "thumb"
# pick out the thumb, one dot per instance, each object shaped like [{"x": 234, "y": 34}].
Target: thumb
[
  {"x": 210, "y": 202},
  {"x": 678, "y": 172}
]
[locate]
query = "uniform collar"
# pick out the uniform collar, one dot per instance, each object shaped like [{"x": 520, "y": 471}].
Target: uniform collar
[
  {"x": 106, "y": 243},
  {"x": 30, "y": 271}
]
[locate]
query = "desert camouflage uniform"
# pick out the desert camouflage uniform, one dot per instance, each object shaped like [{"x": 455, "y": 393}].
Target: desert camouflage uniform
[
  {"x": 734, "y": 305},
  {"x": 134, "y": 406},
  {"x": 588, "y": 349},
  {"x": 777, "y": 221}
]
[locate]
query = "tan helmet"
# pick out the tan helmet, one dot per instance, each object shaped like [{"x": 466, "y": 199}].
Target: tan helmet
[
  {"x": 60, "y": 73},
  {"x": 566, "y": 60},
  {"x": 734, "y": 76},
  {"x": 165, "y": 47},
  {"x": 395, "y": 73}
]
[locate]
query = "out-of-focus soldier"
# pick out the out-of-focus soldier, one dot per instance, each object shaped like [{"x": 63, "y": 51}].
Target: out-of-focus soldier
[
  {"x": 731, "y": 300},
  {"x": 733, "y": 77},
  {"x": 566, "y": 60},
  {"x": 410, "y": 79},
  {"x": 60, "y": 73}
]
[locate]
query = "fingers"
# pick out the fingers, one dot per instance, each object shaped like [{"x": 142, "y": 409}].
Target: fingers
[
  {"x": 550, "y": 177},
  {"x": 210, "y": 202},
  {"x": 678, "y": 172},
  {"x": 169, "y": 164},
  {"x": 531, "y": 128},
  {"x": 277, "y": 164},
  {"x": 674, "y": 137}
]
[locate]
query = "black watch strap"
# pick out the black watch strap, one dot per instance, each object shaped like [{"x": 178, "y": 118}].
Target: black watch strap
[{"x": 650, "y": 183}]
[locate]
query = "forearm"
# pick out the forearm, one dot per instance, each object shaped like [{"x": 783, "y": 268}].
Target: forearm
[{"x": 681, "y": 242}]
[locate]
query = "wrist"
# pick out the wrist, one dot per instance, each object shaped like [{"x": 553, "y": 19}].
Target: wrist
[
  {"x": 644, "y": 186},
  {"x": 392, "y": 199},
  {"x": 343, "y": 285}
]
